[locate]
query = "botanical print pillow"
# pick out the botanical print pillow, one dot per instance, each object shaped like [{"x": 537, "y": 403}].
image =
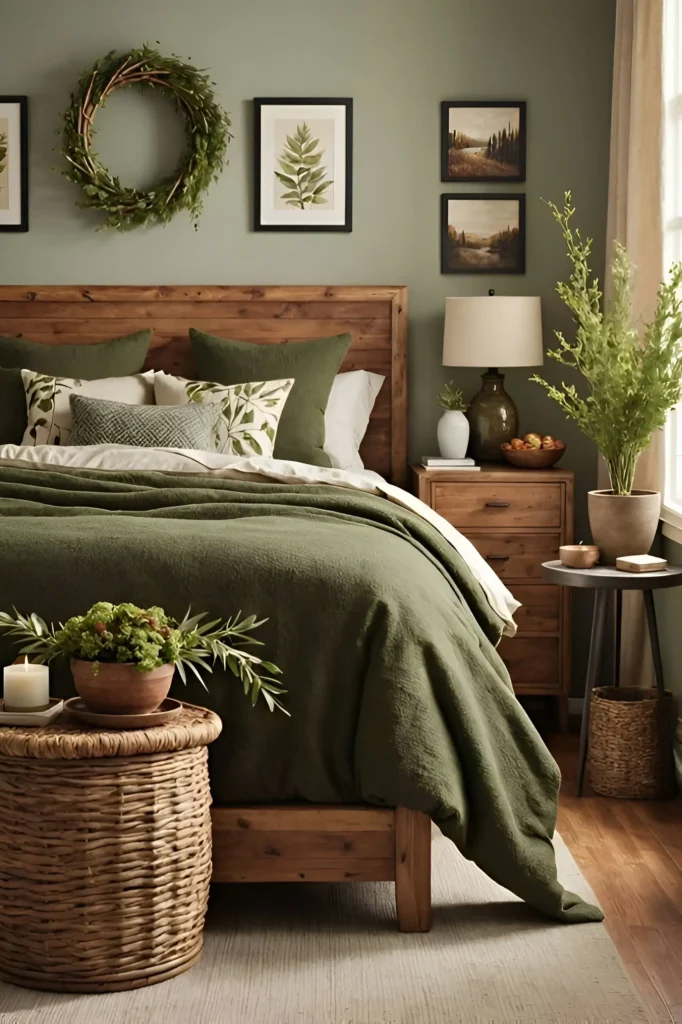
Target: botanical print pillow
[
  {"x": 47, "y": 401},
  {"x": 249, "y": 413}
]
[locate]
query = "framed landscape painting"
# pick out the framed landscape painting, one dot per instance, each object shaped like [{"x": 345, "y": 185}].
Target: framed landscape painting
[
  {"x": 483, "y": 234},
  {"x": 483, "y": 141},
  {"x": 13, "y": 163},
  {"x": 303, "y": 164}
]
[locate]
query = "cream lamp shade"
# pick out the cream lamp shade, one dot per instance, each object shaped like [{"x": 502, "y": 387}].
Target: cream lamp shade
[{"x": 497, "y": 330}]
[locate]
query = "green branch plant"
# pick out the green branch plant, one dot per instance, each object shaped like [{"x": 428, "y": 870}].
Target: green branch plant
[
  {"x": 206, "y": 129},
  {"x": 633, "y": 378},
  {"x": 3, "y": 151},
  {"x": 452, "y": 399},
  {"x": 301, "y": 174},
  {"x": 149, "y": 638}
]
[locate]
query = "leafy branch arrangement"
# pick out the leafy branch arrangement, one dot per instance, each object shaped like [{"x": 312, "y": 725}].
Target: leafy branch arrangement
[
  {"x": 633, "y": 382},
  {"x": 149, "y": 638},
  {"x": 452, "y": 399},
  {"x": 207, "y": 131},
  {"x": 3, "y": 151},
  {"x": 301, "y": 174}
]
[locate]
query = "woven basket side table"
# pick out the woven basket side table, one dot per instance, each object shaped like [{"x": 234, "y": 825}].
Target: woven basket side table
[{"x": 105, "y": 853}]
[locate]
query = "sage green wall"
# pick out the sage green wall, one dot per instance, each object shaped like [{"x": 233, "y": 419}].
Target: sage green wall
[{"x": 397, "y": 59}]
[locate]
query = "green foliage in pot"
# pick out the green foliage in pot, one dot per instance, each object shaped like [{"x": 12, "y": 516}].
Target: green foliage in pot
[
  {"x": 633, "y": 378},
  {"x": 148, "y": 638},
  {"x": 452, "y": 399}
]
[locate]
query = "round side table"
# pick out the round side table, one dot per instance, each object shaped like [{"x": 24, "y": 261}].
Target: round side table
[
  {"x": 609, "y": 584},
  {"x": 105, "y": 852}
]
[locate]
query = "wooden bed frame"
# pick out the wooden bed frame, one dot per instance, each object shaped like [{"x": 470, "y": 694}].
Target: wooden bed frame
[{"x": 284, "y": 842}]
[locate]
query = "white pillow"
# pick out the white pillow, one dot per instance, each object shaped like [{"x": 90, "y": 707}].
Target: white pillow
[
  {"x": 47, "y": 401},
  {"x": 349, "y": 407},
  {"x": 249, "y": 416}
]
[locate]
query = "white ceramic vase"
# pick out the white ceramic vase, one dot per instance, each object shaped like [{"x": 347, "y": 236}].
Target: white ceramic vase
[{"x": 453, "y": 434}]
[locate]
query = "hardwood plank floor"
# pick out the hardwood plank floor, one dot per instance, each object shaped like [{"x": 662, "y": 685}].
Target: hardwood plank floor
[{"x": 630, "y": 851}]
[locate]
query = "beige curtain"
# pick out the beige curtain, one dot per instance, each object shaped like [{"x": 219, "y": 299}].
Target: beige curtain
[{"x": 635, "y": 219}]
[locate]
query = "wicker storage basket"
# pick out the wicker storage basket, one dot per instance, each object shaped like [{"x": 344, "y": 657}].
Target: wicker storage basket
[
  {"x": 105, "y": 861},
  {"x": 631, "y": 742}
]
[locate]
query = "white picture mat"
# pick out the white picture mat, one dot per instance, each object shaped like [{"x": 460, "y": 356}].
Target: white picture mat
[
  {"x": 335, "y": 212},
  {"x": 12, "y": 113}
]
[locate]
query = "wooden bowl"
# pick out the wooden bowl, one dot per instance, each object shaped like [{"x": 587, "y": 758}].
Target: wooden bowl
[
  {"x": 579, "y": 556},
  {"x": 532, "y": 458}
]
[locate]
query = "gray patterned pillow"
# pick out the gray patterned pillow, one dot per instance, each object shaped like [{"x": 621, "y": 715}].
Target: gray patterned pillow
[{"x": 98, "y": 421}]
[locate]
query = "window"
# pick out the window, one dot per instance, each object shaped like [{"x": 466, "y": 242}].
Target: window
[{"x": 672, "y": 239}]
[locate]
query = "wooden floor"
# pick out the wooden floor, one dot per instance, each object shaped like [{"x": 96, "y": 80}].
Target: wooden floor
[{"x": 630, "y": 851}]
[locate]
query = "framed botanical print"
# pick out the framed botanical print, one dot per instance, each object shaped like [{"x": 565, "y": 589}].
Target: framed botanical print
[
  {"x": 483, "y": 233},
  {"x": 13, "y": 163},
  {"x": 483, "y": 140},
  {"x": 303, "y": 164}
]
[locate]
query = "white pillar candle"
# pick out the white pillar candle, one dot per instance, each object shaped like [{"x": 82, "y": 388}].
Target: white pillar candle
[{"x": 26, "y": 687}]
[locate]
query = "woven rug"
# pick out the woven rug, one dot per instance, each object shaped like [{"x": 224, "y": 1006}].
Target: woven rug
[{"x": 321, "y": 954}]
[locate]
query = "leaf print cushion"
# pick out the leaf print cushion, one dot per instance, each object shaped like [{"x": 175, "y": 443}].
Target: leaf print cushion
[
  {"x": 249, "y": 415},
  {"x": 47, "y": 401}
]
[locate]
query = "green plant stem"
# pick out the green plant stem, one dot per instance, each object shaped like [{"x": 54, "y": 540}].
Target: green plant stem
[{"x": 621, "y": 469}]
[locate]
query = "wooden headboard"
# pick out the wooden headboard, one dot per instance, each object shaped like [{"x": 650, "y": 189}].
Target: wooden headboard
[{"x": 375, "y": 316}]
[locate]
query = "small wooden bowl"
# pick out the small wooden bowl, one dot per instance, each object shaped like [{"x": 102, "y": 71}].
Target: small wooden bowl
[
  {"x": 579, "y": 556},
  {"x": 532, "y": 458}
]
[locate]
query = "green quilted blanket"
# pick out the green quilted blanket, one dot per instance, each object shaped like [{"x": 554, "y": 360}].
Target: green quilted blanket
[{"x": 384, "y": 636}]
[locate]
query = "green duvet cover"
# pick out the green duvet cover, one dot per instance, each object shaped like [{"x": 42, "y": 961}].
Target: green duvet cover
[{"x": 385, "y": 639}]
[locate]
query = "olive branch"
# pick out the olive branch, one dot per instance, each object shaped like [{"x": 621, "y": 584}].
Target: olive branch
[{"x": 301, "y": 173}]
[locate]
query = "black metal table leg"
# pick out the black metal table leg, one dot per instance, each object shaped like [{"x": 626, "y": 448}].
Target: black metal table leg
[
  {"x": 653, "y": 638},
  {"x": 617, "y": 632},
  {"x": 601, "y": 599}
]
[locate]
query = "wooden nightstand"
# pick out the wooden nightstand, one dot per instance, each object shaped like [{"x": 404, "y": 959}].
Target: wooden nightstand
[{"x": 517, "y": 518}]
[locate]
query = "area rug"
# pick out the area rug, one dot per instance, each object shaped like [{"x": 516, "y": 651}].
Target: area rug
[{"x": 322, "y": 954}]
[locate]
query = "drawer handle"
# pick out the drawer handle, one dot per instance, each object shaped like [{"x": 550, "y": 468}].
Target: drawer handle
[
  {"x": 497, "y": 558},
  {"x": 497, "y": 504}
]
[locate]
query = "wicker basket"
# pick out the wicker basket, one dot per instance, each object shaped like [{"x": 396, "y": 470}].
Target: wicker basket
[
  {"x": 631, "y": 742},
  {"x": 105, "y": 862}
]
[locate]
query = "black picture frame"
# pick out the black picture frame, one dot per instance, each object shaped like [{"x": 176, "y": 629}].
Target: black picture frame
[
  {"x": 22, "y": 103},
  {"x": 446, "y": 262},
  {"x": 259, "y": 104},
  {"x": 445, "y": 170}
]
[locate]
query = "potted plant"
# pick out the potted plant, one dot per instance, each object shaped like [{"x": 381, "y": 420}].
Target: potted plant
[
  {"x": 633, "y": 378},
  {"x": 453, "y": 426},
  {"x": 123, "y": 657}
]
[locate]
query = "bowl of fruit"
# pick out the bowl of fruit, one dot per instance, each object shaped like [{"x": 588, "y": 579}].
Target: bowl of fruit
[{"x": 534, "y": 451}]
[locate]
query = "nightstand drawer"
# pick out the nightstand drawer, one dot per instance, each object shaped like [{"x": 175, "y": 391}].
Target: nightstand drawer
[
  {"x": 499, "y": 504},
  {"x": 532, "y": 662},
  {"x": 517, "y": 556},
  {"x": 539, "y": 611}
]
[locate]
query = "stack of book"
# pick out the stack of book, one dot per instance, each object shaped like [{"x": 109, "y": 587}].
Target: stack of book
[{"x": 435, "y": 462}]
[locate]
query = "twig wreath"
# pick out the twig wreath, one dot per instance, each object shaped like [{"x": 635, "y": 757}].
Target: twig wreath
[{"x": 207, "y": 129}]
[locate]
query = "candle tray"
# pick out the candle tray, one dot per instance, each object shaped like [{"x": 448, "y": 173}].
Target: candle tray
[{"x": 35, "y": 718}]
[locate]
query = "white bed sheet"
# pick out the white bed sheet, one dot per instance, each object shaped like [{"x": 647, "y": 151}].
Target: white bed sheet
[{"x": 177, "y": 460}]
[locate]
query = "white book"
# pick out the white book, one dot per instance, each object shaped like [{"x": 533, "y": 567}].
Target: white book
[
  {"x": 434, "y": 462},
  {"x": 454, "y": 469}
]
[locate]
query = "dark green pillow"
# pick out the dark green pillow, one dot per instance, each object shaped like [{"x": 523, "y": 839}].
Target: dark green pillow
[
  {"x": 12, "y": 407},
  {"x": 312, "y": 364},
  {"x": 119, "y": 357}
]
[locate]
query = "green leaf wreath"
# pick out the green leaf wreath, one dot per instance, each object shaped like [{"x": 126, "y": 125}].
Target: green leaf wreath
[
  {"x": 207, "y": 130},
  {"x": 301, "y": 174}
]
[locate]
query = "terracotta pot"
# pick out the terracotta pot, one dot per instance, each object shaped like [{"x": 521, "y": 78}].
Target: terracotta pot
[
  {"x": 121, "y": 689},
  {"x": 623, "y": 524}
]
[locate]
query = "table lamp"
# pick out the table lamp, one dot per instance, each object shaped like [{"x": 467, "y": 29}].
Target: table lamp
[{"x": 492, "y": 330}]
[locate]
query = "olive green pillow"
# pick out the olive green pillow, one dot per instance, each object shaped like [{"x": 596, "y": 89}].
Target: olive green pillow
[
  {"x": 120, "y": 357},
  {"x": 12, "y": 407},
  {"x": 312, "y": 364}
]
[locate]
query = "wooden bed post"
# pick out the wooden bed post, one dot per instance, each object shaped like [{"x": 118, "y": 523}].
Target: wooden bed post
[{"x": 413, "y": 870}]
